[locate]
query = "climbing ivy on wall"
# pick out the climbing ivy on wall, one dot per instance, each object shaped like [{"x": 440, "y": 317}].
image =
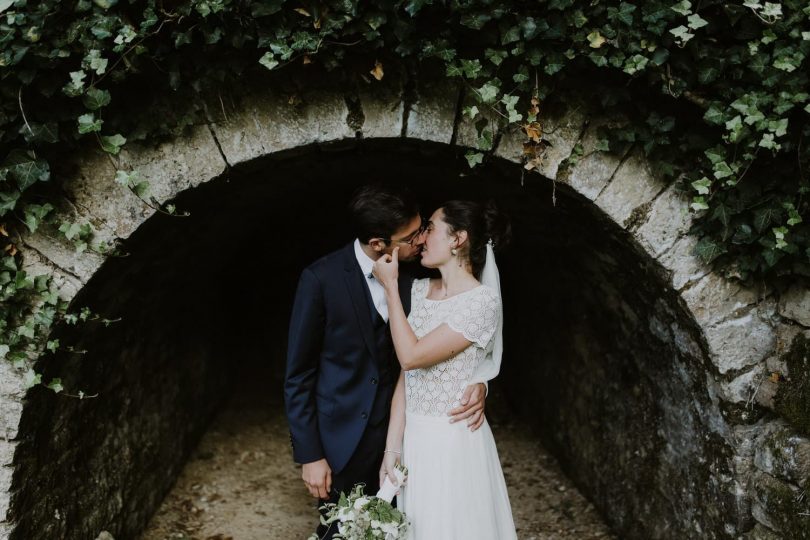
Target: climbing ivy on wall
[{"x": 716, "y": 94}]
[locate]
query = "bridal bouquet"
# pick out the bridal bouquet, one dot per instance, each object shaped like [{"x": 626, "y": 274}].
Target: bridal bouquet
[{"x": 361, "y": 517}]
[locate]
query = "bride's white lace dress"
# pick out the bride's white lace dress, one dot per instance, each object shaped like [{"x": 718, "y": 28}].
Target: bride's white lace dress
[{"x": 456, "y": 489}]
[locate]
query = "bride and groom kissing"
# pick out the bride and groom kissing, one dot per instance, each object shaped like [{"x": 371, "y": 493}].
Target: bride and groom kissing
[{"x": 383, "y": 369}]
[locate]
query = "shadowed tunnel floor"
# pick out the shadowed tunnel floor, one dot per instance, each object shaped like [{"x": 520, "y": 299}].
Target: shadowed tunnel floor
[{"x": 240, "y": 483}]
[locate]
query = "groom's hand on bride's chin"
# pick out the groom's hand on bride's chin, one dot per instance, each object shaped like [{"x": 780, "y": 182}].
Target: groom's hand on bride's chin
[
  {"x": 472, "y": 405},
  {"x": 317, "y": 477}
]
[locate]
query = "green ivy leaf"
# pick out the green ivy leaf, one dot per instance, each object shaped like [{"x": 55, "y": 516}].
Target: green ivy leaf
[
  {"x": 485, "y": 139},
  {"x": 471, "y": 68},
  {"x": 779, "y": 234},
  {"x": 714, "y": 114},
  {"x": 476, "y": 21},
  {"x": 722, "y": 170},
  {"x": 699, "y": 203},
  {"x": 495, "y": 56},
  {"x": 454, "y": 70},
  {"x": 35, "y": 213},
  {"x": 722, "y": 213},
  {"x": 708, "y": 250},
  {"x": 474, "y": 158},
  {"x": 70, "y": 230},
  {"x": 794, "y": 218},
  {"x": 126, "y": 178},
  {"x": 683, "y": 7},
  {"x": 76, "y": 85},
  {"x": 112, "y": 143},
  {"x": 734, "y": 128},
  {"x": 623, "y": 14},
  {"x": 696, "y": 21},
  {"x": 36, "y": 132},
  {"x": 595, "y": 39},
  {"x": 31, "y": 379},
  {"x": 488, "y": 92},
  {"x": 25, "y": 168},
  {"x": 95, "y": 98},
  {"x": 88, "y": 123},
  {"x": 702, "y": 186},
  {"x": 765, "y": 216},
  {"x": 140, "y": 188},
  {"x": 682, "y": 34},
  {"x": 268, "y": 60},
  {"x": 772, "y": 10},
  {"x": 94, "y": 61}
]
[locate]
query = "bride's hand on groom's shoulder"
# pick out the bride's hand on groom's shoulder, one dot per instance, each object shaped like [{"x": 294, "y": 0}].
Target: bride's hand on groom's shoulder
[{"x": 386, "y": 269}]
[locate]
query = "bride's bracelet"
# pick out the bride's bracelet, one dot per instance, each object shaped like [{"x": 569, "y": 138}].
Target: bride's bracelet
[{"x": 392, "y": 452}]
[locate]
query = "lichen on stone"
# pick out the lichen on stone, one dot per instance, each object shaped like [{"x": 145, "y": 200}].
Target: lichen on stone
[{"x": 793, "y": 397}]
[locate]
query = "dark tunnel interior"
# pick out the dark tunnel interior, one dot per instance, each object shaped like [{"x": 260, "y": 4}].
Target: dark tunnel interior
[{"x": 592, "y": 358}]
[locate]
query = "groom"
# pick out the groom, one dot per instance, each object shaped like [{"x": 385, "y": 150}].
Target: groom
[{"x": 341, "y": 364}]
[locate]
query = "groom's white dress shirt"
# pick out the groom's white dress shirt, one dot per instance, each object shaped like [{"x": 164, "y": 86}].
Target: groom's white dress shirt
[{"x": 375, "y": 287}]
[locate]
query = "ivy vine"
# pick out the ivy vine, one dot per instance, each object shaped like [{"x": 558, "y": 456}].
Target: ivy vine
[{"x": 716, "y": 94}]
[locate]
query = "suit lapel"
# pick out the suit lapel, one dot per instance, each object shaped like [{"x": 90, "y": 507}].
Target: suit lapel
[{"x": 355, "y": 282}]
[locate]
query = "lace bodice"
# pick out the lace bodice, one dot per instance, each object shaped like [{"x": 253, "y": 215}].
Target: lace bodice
[{"x": 474, "y": 313}]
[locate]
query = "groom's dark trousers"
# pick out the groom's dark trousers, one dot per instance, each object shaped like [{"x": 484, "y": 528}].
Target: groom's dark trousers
[{"x": 341, "y": 373}]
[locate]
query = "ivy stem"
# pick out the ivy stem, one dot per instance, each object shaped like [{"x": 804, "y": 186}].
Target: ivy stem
[{"x": 22, "y": 110}]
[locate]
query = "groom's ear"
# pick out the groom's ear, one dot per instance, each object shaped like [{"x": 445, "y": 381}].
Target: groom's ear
[{"x": 377, "y": 244}]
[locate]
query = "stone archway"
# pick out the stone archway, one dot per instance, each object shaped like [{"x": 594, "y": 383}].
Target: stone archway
[{"x": 706, "y": 336}]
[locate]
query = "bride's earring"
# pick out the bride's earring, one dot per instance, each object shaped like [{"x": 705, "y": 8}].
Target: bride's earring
[{"x": 454, "y": 251}]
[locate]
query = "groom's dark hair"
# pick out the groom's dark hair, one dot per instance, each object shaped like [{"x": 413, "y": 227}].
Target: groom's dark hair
[{"x": 378, "y": 210}]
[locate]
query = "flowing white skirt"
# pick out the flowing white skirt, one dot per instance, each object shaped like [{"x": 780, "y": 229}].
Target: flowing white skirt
[{"x": 455, "y": 489}]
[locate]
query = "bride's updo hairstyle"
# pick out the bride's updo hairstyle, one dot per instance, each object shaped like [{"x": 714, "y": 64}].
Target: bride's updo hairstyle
[{"x": 482, "y": 221}]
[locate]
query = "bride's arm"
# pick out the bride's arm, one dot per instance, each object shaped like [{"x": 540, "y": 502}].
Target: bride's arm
[
  {"x": 396, "y": 430},
  {"x": 412, "y": 352}
]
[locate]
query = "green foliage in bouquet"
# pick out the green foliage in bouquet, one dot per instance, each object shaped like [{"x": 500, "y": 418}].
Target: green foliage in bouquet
[{"x": 358, "y": 516}]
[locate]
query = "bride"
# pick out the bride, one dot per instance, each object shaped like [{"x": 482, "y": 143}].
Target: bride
[{"x": 452, "y": 338}]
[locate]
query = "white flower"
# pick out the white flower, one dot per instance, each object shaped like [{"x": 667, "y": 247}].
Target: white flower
[
  {"x": 346, "y": 514},
  {"x": 360, "y": 503}
]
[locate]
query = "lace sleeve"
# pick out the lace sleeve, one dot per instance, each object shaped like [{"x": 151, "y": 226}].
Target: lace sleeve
[{"x": 476, "y": 318}]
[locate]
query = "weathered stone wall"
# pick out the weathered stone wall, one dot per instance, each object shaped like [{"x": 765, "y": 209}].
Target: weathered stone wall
[
  {"x": 690, "y": 352},
  {"x": 610, "y": 368},
  {"x": 154, "y": 379}
]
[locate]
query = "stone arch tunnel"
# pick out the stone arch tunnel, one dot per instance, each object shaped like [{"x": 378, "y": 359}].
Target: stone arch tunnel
[{"x": 610, "y": 358}]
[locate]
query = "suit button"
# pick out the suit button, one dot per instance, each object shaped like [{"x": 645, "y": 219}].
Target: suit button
[
  {"x": 373, "y": 381},
  {"x": 364, "y": 415}
]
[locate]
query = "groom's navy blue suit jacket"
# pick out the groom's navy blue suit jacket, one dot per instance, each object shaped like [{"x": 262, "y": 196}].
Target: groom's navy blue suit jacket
[{"x": 337, "y": 379}]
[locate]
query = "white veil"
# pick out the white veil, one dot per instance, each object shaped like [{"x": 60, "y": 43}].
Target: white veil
[{"x": 489, "y": 368}]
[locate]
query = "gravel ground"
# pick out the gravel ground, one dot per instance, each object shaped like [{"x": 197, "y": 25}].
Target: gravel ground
[{"x": 241, "y": 484}]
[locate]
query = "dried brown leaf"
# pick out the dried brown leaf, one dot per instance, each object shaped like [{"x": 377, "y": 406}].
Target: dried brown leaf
[
  {"x": 534, "y": 131},
  {"x": 377, "y": 72}
]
